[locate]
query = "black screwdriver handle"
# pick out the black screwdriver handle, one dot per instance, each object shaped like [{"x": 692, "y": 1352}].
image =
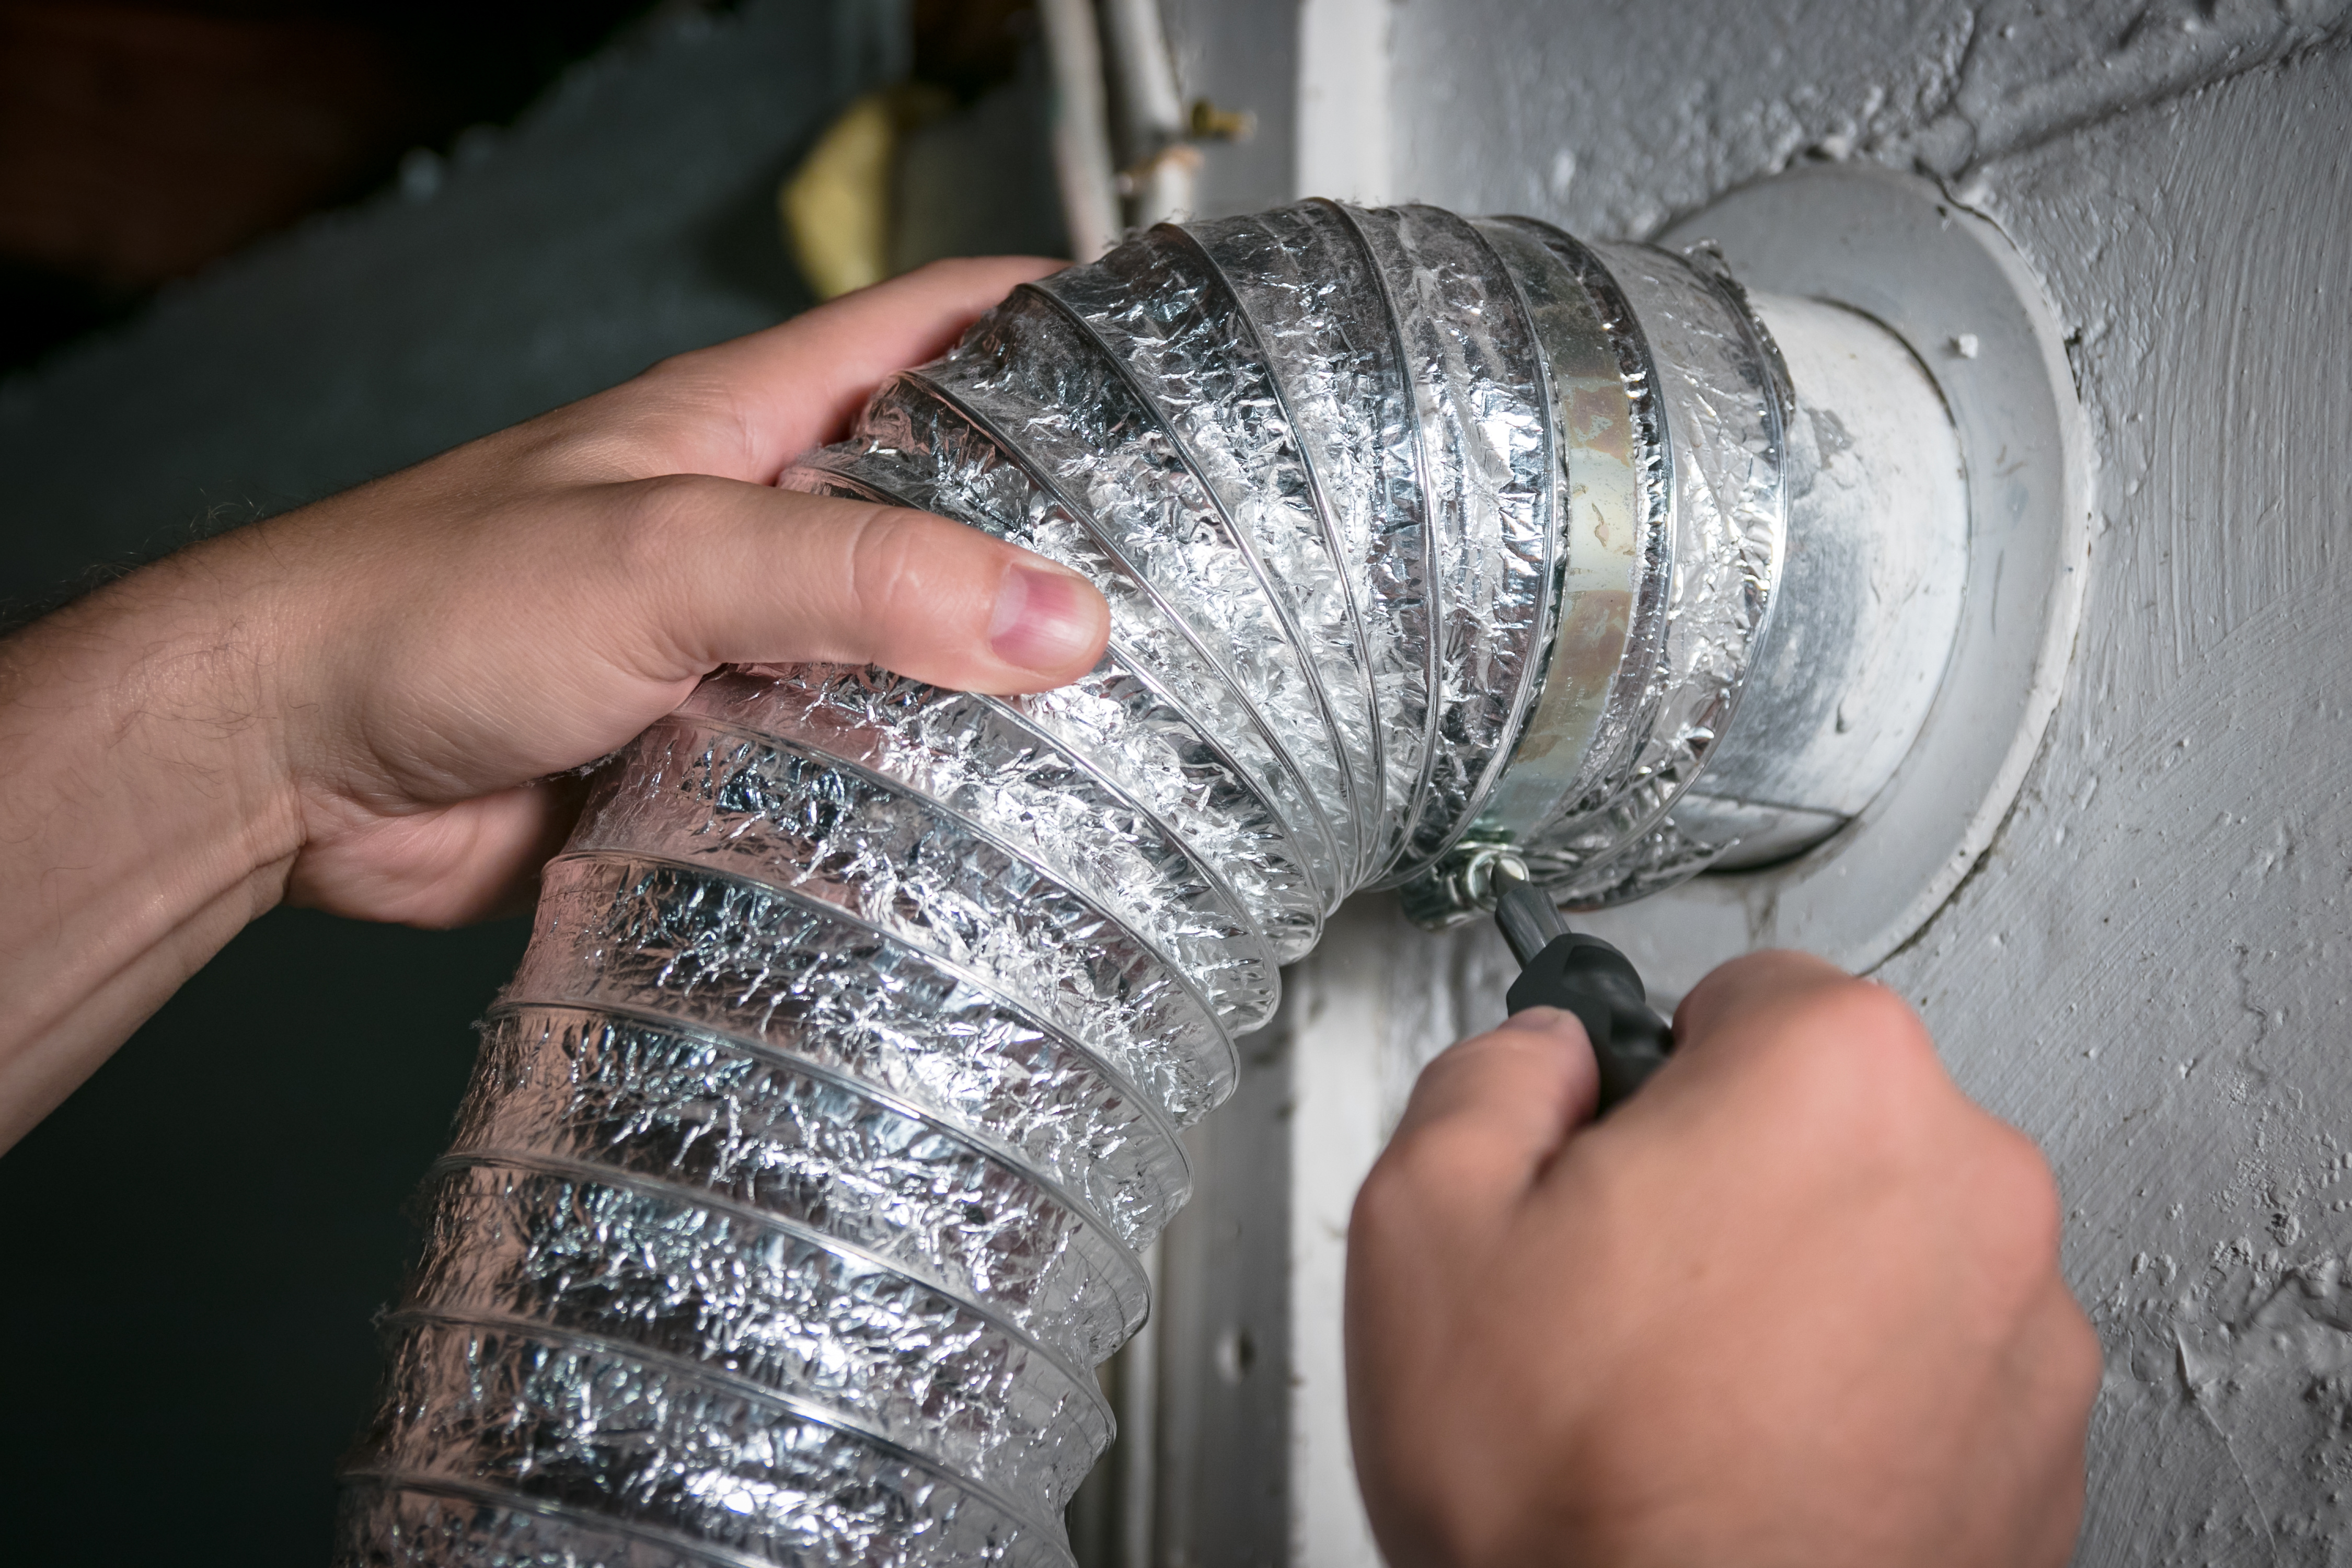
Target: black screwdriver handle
[{"x": 1586, "y": 976}]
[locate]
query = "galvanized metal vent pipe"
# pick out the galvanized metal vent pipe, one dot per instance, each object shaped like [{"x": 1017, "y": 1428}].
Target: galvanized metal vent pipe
[{"x": 811, "y": 1154}]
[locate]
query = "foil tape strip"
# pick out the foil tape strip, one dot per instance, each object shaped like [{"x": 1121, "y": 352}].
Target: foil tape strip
[
  {"x": 984, "y": 762},
  {"x": 778, "y": 813},
  {"x": 759, "y": 1304}
]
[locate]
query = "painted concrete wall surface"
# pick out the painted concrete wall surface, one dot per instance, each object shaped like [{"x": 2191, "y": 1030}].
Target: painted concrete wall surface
[{"x": 2150, "y": 971}]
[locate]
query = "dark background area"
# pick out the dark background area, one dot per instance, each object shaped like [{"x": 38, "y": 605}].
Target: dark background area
[
  {"x": 251, "y": 254},
  {"x": 139, "y": 142}
]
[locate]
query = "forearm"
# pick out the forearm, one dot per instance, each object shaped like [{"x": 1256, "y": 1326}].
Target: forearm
[{"x": 143, "y": 819}]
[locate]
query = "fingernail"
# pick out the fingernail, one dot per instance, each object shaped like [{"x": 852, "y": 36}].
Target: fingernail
[
  {"x": 1043, "y": 620},
  {"x": 1542, "y": 1020}
]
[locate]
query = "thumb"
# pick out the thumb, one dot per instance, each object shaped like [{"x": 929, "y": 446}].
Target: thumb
[
  {"x": 456, "y": 660},
  {"x": 742, "y": 573}
]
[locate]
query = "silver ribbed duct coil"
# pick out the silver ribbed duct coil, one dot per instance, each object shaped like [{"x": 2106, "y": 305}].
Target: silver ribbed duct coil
[{"x": 806, "y": 1174}]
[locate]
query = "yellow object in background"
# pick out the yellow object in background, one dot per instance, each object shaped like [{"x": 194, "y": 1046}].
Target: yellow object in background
[{"x": 836, "y": 206}]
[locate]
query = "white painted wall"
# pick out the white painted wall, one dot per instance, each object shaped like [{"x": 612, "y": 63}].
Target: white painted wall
[
  {"x": 2150, "y": 971},
  {"x": 1344, "y": 114}
]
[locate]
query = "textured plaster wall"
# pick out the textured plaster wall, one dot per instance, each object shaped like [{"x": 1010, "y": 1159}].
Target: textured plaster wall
[{"x": 2150, "y": 971}]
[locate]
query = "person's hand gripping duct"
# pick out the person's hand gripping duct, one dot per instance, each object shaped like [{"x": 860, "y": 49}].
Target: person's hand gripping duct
[{"x": 807, "y": 1167}]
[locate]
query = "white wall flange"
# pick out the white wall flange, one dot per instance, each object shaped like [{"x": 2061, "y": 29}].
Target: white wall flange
[{"x": 1950, "y": 285}]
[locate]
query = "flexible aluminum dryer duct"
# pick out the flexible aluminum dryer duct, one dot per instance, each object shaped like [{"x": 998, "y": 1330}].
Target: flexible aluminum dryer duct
[{"x": 806, "y": 1169}]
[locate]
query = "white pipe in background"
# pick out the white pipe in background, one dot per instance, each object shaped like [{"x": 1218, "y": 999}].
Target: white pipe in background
[
  {"x": 1162, "y": 168},
  {"x": 1083, "y": 166}
]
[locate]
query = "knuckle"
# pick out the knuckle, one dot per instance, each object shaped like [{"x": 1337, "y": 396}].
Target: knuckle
[
  {"x": 1396, "y": 1203},
  {"x": 943, "y": 268},
  {"x": 647, "y": 423},
  {"x": 890, "y": 553},
  {"x": 654, "y": 552},
  {"x": 658, "y": 523},
  {"x": 1379, "y": 1201},
  {"x": 2021, "y": 1193},
  {"x": 2005, "y": 1214},
  {"x": 1867, "y": 1019},
  {"x": 1852, "y": 1064},
  {"x": 1856, "y": 1042},
  {"x": 2081, "y": 1358},
  {"x": 686, "y": 384},
  {"x": 963, "y": 275},
  {"x": 677, "y": 371},
  {"x": 1411, "y": 1159},
  {"x": 1871, "y": 1036},
  {"x": 1443, "y": 1159}
]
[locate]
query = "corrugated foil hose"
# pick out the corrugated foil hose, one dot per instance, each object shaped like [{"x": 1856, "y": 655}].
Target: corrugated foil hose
[{"x": 806, "y": 1171}]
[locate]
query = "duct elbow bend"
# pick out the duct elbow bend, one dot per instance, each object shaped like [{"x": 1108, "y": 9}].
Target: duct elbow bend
[{"x": 810, "y": 1156}]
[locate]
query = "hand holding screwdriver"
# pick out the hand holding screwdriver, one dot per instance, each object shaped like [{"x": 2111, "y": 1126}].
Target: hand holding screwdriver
[
  {"x": 1795, "y": 1305},
  {"x": 1584, "y": 975}
]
